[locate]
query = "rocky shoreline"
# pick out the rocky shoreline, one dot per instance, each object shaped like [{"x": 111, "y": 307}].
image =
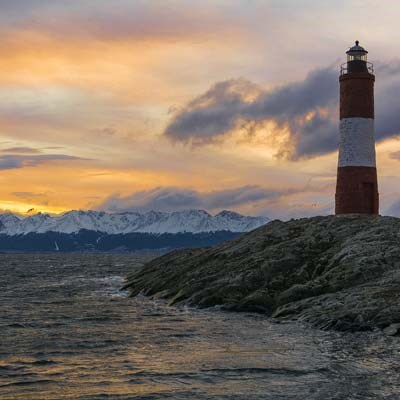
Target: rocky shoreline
[{"x": 340, "y": 273}]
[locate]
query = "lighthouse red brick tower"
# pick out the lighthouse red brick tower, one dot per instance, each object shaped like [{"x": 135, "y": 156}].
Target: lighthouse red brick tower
[{"x": 357, "y": 183}]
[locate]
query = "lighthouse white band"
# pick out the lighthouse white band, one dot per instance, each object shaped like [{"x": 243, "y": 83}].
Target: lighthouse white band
[{"x": 357, "y": 144}]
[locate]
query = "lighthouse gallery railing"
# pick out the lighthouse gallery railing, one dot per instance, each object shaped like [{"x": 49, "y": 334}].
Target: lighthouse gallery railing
[{"x": 344, "y": 68}]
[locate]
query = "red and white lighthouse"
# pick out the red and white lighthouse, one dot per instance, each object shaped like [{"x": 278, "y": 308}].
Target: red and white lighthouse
[{"x": 357, "y": 183}]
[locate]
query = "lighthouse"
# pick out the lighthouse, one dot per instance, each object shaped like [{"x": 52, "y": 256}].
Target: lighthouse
[{"x": 357, "y": 183}]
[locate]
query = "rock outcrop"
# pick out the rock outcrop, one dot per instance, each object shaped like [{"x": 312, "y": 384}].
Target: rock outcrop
[{"x": 339, "y": 273}]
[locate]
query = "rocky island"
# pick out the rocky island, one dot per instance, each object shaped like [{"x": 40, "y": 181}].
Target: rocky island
[{"x": 334, "y": 272}]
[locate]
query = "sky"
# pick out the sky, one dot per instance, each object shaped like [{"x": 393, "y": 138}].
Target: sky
[{"x": 132, "y": 105}]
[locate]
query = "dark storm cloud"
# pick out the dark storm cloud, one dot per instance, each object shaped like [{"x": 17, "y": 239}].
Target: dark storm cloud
[
  {"x": 309, "y": 109},
  {"x": 224, "y": 106},
  {"x": 387, "y": 106},
  {"x": 12, "y": 161},
  {"x": 212, "y": 114},
  {"x": 174, "y": 199},
  {"x": 296, "y": 99}
]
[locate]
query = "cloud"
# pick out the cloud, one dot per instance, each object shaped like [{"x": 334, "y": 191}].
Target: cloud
[
  {"x": 172, "y": 199},
  {"x": 298, "y": 106},
  {"x": 393, "y": 210},
  {"x": 307, "y": 110},
  {"x": 395, "y": 155},
  {"x": 11, "y": 161},
  {"x": 307, "y": 200},
  {"x": 12, "y": 11},
  {"x": 116, "y": 20},
  {"x": 37, "y": 198},
  {"x": 21, "y": 150},
  {"x": 28, "y": 195}
]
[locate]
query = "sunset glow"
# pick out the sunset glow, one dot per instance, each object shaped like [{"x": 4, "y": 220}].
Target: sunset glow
[{"x": 103, "y": 100}]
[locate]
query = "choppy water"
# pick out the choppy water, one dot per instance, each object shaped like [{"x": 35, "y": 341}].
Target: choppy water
[{"x": 66, "y": 332}]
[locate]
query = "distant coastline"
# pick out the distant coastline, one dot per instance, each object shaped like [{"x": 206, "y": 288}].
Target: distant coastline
[{"x": 91, "y": 241}]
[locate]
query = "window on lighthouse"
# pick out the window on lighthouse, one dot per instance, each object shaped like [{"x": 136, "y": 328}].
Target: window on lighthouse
[{"x": 357, "y": 56}]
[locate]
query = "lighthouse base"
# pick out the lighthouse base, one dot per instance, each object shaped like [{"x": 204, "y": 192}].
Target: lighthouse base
[{"x": 357, "y": 191}]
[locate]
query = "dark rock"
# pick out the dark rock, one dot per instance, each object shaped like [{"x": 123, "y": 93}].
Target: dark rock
[
  {"x": 338, "y": 273},
  {"x": 392, "y": 330}
]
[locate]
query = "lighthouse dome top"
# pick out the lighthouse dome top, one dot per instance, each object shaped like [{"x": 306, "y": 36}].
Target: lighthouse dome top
[
  {"x": 356, "y": 61},
  {"x": 356, "y": 50}
]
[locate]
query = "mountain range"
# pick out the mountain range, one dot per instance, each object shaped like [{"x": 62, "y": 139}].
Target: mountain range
[
  {"x": 191, "y": 221},
  {"x": 102, "y": 231}
]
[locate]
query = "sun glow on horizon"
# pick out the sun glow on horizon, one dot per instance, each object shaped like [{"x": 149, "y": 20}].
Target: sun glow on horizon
[
  {"x": 87, "y": 93},
  {"x": 26, "y": 209}
]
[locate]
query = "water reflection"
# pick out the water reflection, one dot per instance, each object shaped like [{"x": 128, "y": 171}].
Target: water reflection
[{"x": 66, "y": 332}]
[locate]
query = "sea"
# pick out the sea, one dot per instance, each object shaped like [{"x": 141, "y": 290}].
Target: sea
[{"x": 67, "y": 331}]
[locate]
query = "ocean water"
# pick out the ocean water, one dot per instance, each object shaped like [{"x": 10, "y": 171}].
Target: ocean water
[{"x": 67, "y": 332}]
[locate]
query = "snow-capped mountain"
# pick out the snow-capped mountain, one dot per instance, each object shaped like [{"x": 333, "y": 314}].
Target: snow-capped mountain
[{"x": 154, "y": 222}]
